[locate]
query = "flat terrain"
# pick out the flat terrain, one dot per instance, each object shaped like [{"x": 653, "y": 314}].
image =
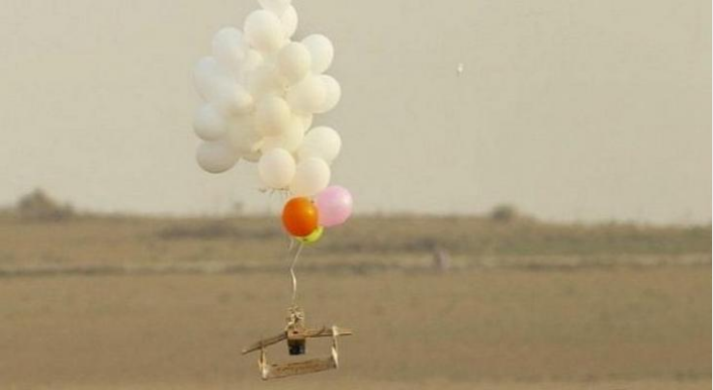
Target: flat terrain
[{"x": 76, "y": 317}]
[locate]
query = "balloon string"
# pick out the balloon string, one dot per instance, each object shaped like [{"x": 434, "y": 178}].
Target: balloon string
[
  {"x": 292, "y": 272},
  {"x": 292, "y": 239}
]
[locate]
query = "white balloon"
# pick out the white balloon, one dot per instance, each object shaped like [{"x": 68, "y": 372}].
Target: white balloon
[
  {"x": 253, "y": 60},
  {"x": 290, "y": 140},
  {"x": 216, "y": 157},
  {"x": 266, "y": 80},
  {"x": 294, "y": 62},
  {"x": 209, "y": 124},
  {"x": 202, "y": 76},
  {"x": 290, "y": 20},
  {"x": 277, "y": 168},
  {"x": 252, "y": 157},
  {"x": 334, "y": 93},
  {"x": 229, "y": 48},
  {"x": 273, "y": 116},
  {"x": 209, "y": 77},
  {"x": 264, "y": 32},
  {"x": 308, "y": 96},
  {"x": 242, "y": 136},
  {"x": 233, "y": 99},
  {"x": 321, "y": 142},
  {"x": 307, "y": 120},
  {"x": 311, "y": 177},
  {"x": 322, "y": 52}
]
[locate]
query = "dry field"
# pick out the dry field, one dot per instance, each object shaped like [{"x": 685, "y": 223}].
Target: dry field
[{"x": 119, "y": 303}]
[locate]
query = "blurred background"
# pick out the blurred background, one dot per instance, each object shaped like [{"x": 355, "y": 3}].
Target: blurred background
[{"x": 532, "y": 182}]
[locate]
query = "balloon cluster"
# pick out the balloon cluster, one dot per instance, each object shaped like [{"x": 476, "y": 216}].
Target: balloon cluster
[
  {"x": 261, "y": 90},
  {"x": 306, "y": 219}
]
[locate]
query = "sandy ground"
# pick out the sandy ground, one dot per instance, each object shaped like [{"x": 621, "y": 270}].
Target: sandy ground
[
  {"x": 499, "y": 329},
  {"x": 358, "y": 384}
]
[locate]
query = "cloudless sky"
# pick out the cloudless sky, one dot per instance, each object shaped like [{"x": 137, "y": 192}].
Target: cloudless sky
[{"x": 569, "y": 109}]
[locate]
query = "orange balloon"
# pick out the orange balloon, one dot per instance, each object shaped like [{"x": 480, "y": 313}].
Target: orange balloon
[{"x": 300, "y": 217}]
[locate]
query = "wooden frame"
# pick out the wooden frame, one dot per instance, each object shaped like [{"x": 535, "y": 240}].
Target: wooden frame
[{"x": 296, "y": 336}]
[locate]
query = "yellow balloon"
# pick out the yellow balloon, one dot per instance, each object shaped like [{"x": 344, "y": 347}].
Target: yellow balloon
[{"x": 314, "y": 237}]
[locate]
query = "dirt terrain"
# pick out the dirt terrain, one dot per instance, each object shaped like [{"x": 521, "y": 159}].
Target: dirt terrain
[{"x": 67, "y": 322}]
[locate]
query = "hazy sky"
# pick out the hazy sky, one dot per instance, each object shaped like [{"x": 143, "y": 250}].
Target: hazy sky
[{"x": 570, "y": 109}]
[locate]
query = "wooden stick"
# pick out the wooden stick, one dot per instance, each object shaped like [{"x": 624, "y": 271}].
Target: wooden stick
[
  {"x": 265, "y": 343},
  {"x": 328, "y": 332},
  {"x": 278, "y": 371}
]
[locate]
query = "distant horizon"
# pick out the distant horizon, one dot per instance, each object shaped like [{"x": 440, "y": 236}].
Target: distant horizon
[{"x": 520, "y": 214}]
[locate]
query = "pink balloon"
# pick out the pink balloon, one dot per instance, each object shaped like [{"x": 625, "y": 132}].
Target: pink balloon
[{"x": 335, "y": 206}]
